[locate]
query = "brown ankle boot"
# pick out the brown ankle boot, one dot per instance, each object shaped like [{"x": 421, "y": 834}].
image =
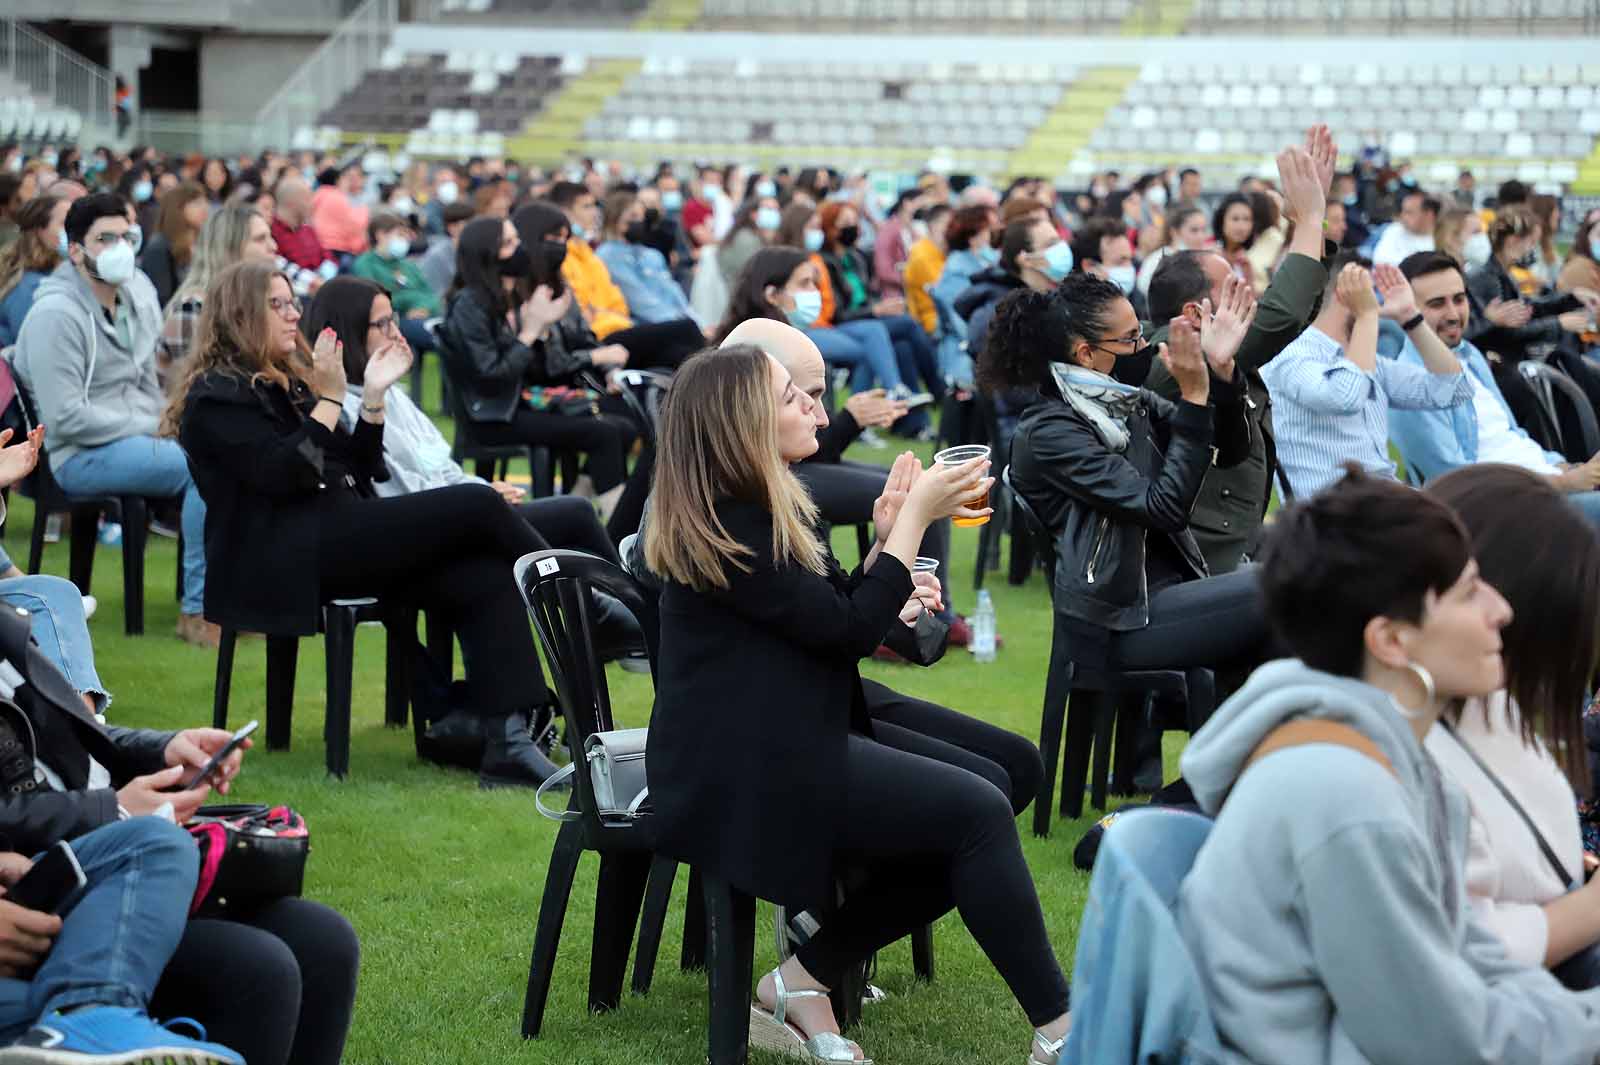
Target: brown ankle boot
[{"x": 195, "y": 629}]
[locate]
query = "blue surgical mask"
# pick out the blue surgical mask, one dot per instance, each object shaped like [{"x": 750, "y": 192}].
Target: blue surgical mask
[
  {"x": 990, "y": 255},
  {"x": 1057, "y": 261},
  {"x": 61, "y": 244},
  {"x": 142, "y": 191},
  {"x": 579, "y": 232},
  {"x": 1594, "y": 246},
  {"x": 672, "y": 201},
  {"x": 1351, "y": 200},
  {"x": 813, "y": 240},
  {"x": 769, "y": 218},
  {"x": 767, "y": 190},
  {"x": 1123, "y": 276},
  {"x": 807, "y": 308},
  {"x": 397, "y": 247}
]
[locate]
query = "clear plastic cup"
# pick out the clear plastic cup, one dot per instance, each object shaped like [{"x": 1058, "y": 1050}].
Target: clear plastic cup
[{"x": 959, "y": 456}]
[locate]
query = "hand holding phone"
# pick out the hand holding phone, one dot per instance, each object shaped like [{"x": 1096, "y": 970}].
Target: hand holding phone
[
  {"x": 208, "y": 771},
  {"x": 53, "y": 884}
]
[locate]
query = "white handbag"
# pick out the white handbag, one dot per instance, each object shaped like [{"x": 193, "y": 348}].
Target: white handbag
[{"x": 616, "y": 773}]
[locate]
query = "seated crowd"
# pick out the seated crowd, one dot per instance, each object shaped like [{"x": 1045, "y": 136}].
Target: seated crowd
[{"x": 1148, "y": 367}]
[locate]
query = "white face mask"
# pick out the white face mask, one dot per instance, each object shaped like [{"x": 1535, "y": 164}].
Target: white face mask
[
  {"x": 115, "y": 265},
  {"x": 447, "y": 192},
  {"x": 1122, "y": 276},
  {"x": 1476, "y": 249},
  {"x": 401, "y": 204},
  {"x": 397, "y": 247},
  {"x": 1157, "y": 195}
]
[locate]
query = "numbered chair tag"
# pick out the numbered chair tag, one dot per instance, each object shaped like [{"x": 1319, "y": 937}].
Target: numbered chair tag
[{"x": 547, "y": 566}]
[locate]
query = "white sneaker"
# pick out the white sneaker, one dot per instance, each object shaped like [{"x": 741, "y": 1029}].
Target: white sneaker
[
  {"x": 90, "y": 605},
  {"x": 869, "y": 438}
]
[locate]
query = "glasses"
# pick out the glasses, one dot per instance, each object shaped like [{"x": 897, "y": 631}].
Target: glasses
[
  {"x": 1136, "y": 343},
  {"x": 289, "y": 308},
  {"x": 109, "y": 239},
  {"x": 384, "y": 324}
]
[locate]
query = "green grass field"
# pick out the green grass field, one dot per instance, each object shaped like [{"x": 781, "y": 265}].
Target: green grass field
[{"x": 443, "y": 882}]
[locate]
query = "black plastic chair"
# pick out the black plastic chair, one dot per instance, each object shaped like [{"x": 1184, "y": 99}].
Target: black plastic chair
[
  {"x": 1005, "y": 517},
  {"x": 1090, "y": 703},
  {"x": 339, "y": 620},
  {"x": 556, "y": 586},
  {"x": 1567, "y": 418}
]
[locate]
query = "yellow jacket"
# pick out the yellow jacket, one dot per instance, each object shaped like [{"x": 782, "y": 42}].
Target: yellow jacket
[
  {"x": 923, "y": 267},
  {"x": 598, "y": 296}
]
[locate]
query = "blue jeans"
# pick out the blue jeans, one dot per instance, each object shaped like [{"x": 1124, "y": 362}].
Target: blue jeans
[
  {"x": 55, "y": 609},
  {"x": 147, "y": 465},
  {"x": 861, "y": 343},
  {"x": 914, "y": 353},
  {"x": 117, "y": 940}
]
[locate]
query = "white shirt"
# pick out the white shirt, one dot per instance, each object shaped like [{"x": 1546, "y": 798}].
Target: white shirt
[
  {"x": 1508, "y": 878},
  {"x": 1496, "y": 440},
  {"x": 1397, "y": 243}
]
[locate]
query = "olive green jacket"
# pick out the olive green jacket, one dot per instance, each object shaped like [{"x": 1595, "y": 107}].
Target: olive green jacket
[{"x": 1232, "y": 502}]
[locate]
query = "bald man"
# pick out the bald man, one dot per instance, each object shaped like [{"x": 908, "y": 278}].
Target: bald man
[{"x": 291, "y": 226}]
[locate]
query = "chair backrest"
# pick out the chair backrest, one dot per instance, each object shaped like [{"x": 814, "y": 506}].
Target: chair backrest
[
  {"x": 555, "y": 585},
  {"x": 644, "y": 391},
  {"x": 1572, "y": 426},
  {"x": 463, "y": 447},
  {"x": 1043, "y": 542},
  {"x": 1136, "y": 992}
]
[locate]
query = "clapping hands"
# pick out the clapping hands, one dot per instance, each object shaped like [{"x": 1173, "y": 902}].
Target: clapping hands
[
  {"x": 19, "y": 459},
  {"x": 1222, "y": 332}
]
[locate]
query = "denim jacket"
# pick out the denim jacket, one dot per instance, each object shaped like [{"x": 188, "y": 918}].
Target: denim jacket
[
  {"x": 641, "y": 273},
  {"x": 1434, "y": 442},
  {"x": 1136, "y": 995}
]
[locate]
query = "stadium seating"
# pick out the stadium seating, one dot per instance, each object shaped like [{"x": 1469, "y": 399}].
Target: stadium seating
[
  {"x": 560, "y": 11},
  {"x": 22, "y": 118},
  {"x": 921, "y": 16},
  {"x": 1382, "y": 18}
]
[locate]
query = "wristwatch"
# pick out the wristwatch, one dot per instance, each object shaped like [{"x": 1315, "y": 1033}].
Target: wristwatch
[{"x": 1413, "y": 322}]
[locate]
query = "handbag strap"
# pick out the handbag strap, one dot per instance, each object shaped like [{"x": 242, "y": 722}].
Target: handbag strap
[
  {"x": 554, "y": 780},
  {"x": 1511, "y": 800}
]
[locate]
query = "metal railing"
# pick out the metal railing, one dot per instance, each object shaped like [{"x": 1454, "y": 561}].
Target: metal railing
[
  {"x": 60, "y": 76},
  {"x": 333, "y": 69}
]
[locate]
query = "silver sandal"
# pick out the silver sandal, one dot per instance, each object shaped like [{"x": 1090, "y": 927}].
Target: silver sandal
[
  {"x": 792, "y": 934},
  {"x": 770, "y": 1031},
  {"x": 1045, "y": 1051}
]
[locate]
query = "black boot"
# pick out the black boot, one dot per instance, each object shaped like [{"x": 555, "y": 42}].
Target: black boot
[{"x": 510, "y": 757}]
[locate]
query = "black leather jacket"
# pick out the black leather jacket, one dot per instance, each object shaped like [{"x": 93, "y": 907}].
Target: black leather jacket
[
  {"x": 64, "y": 736},
  {"x": 490, "y": 365},
  {"x": 1099, "y": 504}
]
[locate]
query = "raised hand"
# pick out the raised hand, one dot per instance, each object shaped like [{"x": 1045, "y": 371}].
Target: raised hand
[
  {"x": 1183, "y": 359},
  {"x": 1222, "y": 333},
  {"x": 1399, "y": 303},
  {"x": 386, "y": 366},
  {"x": 544, "y": 308},
  {"x": 1508, "y": 314},
  {"x": 1304, "y": 193},
  {"x": 1355, "y": 290},
  {"x": 1324, "y": 155},
  {"x": 902, "y": 477},
  {"x": 327, "y": 366}
]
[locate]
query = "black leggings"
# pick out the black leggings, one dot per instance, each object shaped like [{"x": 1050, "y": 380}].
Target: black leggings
[
  {"x": 603, "y": 439},
  {"x": 569, "y": 522},
  {"x": 660, "y": 345},
  {"x": 277, "y": 985},
  {"x": 1218, "y": 621},
  {"x": 1008, "y": 761},
  {"x": 935, "y": 836},
  {"x": 448, "y": 550}
]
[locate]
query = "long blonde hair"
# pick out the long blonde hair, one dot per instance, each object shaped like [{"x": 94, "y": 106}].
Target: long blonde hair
[
  {"x": 719, "y": 441},
  {"x": 221, "y": 244},
  {"x": 235, "y": 337},
  {"x": 30, "y": 250}
]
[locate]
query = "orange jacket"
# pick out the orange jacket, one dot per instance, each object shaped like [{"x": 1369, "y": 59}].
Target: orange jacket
[
  {"x": 598, "y": 296},
  {"x": 824, "y": 286}
]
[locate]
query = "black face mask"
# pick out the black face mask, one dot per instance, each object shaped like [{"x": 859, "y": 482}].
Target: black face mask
[
  {"x": 516, "y": 264},
  {"x": 555, "y": 253},
  {"x": 652, "y": 217},
  {"x": 849, "y": 235},
  {"x": 637, "y": 232},
  {"x": 1134, "y": 369}
]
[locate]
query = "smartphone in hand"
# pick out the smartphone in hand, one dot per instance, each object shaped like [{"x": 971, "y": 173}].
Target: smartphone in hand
[
  {"x": 53, "y": 885},
  {"x": 221, "y": 756}
]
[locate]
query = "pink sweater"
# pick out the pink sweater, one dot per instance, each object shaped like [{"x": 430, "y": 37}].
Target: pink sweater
[{"x": 340, "y": 222}]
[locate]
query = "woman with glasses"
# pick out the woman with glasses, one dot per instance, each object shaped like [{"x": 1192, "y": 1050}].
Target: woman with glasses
[
  {"x": 291, "y": 520},
  {"x": 1113, "y": 470}
]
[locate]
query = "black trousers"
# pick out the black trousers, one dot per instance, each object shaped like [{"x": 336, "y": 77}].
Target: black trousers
[
  {"x": 1008, "y": 761},
  {"x": 603, "y": 439},
  {"x": 935, "y": 837},
  {"x": 660, "y": 345},
  {"x": 448, "y": 550},
  {"x": 1219, "y": 622},
  {"x": 277, "y": 985},
  {"x": 567, "y": 522}
]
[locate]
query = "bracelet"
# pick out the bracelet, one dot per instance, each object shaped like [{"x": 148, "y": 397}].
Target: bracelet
[
  {"x": 1412, "y": 323},
  {"x": 372, "y": 410},
  {"x": 329, "y": 399}
]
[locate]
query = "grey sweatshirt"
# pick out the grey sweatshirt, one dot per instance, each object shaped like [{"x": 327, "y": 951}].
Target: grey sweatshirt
[
  {"x": 90, "y": 387},
  {"x": 1327, "y": 912}
]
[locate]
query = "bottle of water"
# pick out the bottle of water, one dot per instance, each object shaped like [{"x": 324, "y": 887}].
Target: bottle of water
[{"x": 983, "y": 628}]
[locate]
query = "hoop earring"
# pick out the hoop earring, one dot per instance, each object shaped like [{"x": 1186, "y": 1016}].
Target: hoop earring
[{"x": 1429, "y": 691}]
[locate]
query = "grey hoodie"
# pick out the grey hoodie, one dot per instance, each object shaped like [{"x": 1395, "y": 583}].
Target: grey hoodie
[
  {"x": 1326, "y": 911},
  {"x": 87, "y": 386}
]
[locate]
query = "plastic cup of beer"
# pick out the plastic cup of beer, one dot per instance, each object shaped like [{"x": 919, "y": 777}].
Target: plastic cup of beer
[
  {"x": 958, "y": 456},
  {"x": 923, "y": 564}
]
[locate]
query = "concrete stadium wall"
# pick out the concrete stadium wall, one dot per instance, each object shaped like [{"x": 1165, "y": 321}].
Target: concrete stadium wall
[{"x": 240, "y": 71}]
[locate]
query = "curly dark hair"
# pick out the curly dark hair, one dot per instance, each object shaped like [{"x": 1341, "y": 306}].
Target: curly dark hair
[{"x": 1030, "y": 330}]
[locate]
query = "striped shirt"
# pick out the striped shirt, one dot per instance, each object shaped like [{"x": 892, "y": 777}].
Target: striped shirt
[{"x": 1327, "y": 411}]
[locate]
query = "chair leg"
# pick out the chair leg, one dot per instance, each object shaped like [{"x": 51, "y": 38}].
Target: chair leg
[
  {"x": 922, "y": 952},
  {"x": 980, "y": 565},
  {"x": 846, "y": 994},
  {"x": 282, "y": 654},
  {"x": 1082, "y": 706},
  {"x": 339, "y": 650},
  {"x": 623, "y": 875},
  {"x": 657, "y": 899},
  {"x": 547, "y": 934},
  {"x": 1104, "y": 719},
  {"x": 83, "y": 539},
  {"x": 41, "y": 519},
  {"x": 1133, "y": 719},
  {"x": 1057, "y": 688},
  {"x": 694, "y": 925},
  {"x": 730, "y": 970},
  {"x": 219, "y": 699},
  {"x": 441, "y": 643},
  {"x": 135, "y": 531},
  {"x": 400, "y": 633}
]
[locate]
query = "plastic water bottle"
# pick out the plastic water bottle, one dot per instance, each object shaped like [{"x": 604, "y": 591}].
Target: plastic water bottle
[{"x": 983, "y": 628}]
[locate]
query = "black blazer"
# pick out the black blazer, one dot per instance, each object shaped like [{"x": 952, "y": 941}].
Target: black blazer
[
  {"x": 756, "y": 693},
  {"x": 258, "y": 460}
]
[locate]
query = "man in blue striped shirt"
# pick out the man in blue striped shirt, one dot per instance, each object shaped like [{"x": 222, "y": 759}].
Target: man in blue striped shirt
[{"x": 1331, "y": 393}]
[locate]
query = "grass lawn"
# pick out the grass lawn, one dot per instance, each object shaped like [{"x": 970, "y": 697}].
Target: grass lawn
[{"x": 443, "y": 882}]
